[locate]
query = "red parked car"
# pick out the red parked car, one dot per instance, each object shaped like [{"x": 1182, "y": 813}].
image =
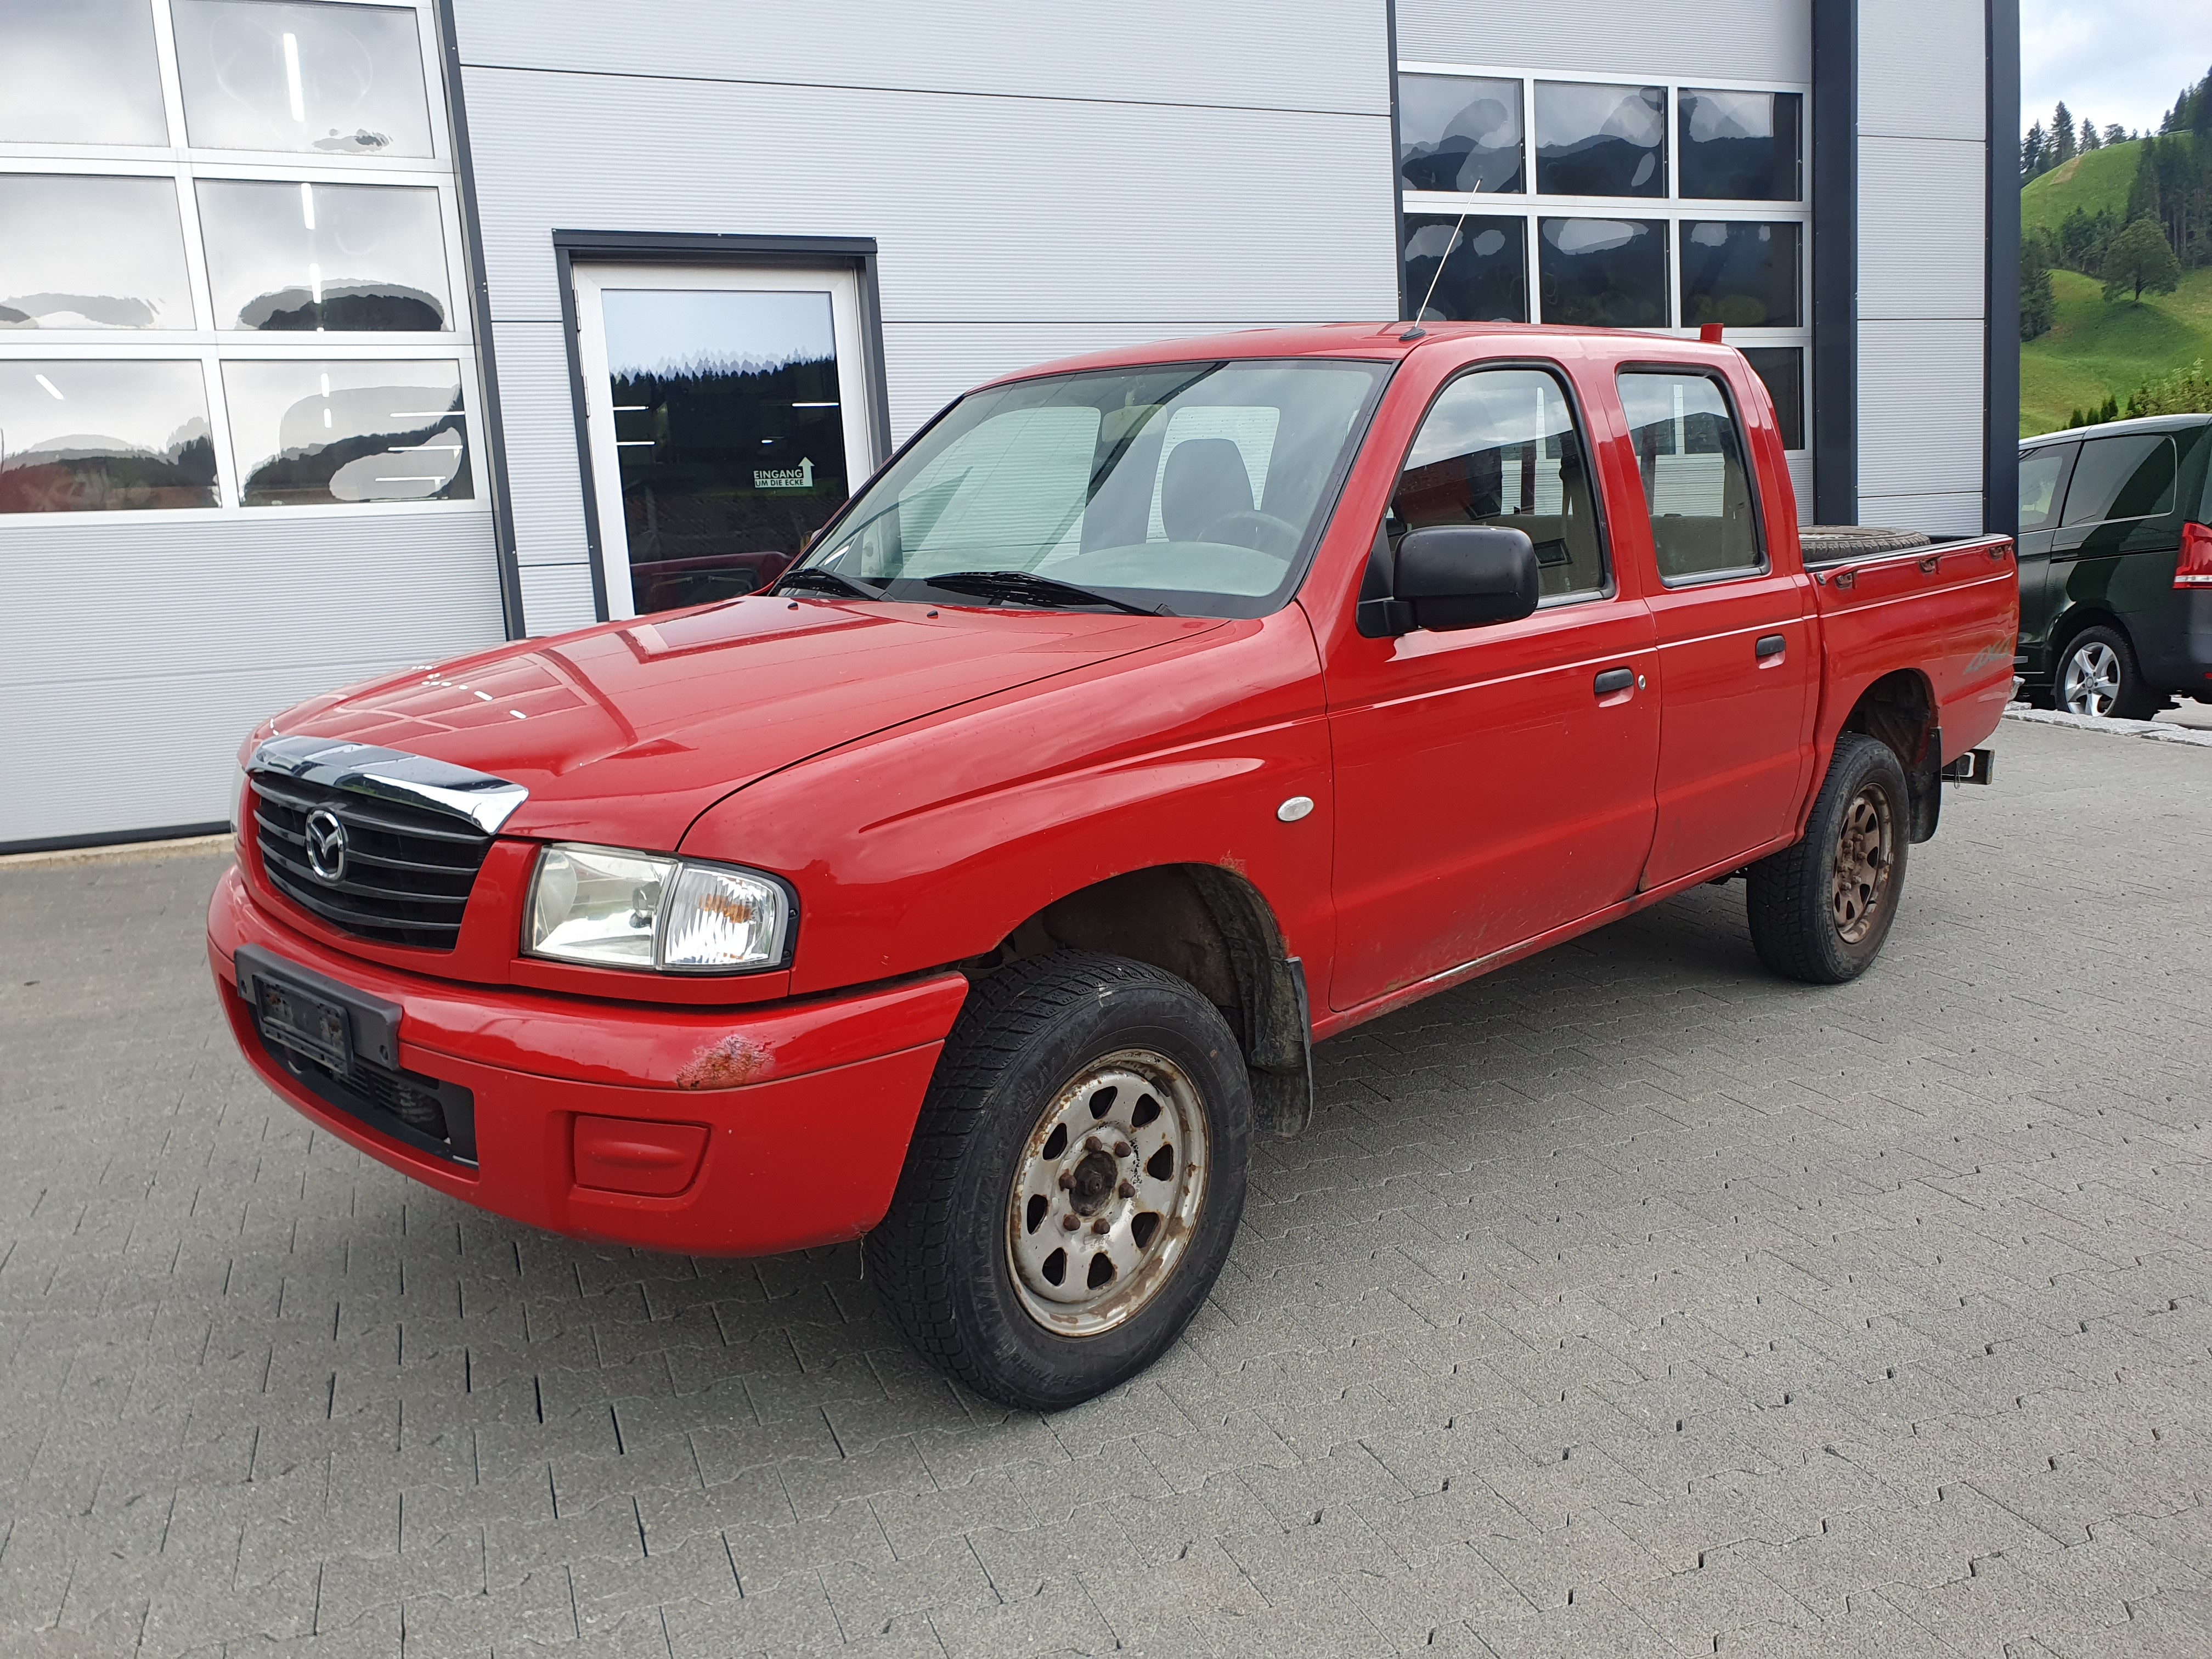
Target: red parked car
[{"x": 980, "y": 889}]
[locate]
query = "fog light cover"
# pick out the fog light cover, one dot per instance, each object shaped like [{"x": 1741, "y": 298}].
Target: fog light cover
[{"x": 613, "y": 909}]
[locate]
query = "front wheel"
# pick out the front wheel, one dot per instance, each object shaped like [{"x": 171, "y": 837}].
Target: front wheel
[
  {"x": 1819, "y": 910},
  {"x": 1074, "y": 1180}
]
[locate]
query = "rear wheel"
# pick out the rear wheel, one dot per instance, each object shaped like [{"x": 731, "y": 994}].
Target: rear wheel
[
  {"x": 1819, "y": 910},
  {"x": 2099, "y": 675},
  {"x": 1074, "y": 1180}
]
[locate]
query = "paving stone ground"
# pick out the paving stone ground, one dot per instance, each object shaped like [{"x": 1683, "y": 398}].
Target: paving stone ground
[{"x": 1627, "y": 1302}]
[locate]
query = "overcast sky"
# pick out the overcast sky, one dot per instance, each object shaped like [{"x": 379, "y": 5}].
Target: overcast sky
[{"x": 2111, "y": 60}]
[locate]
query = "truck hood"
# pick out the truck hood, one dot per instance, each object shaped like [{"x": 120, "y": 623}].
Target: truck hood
[{"x": 624, "y": 733}]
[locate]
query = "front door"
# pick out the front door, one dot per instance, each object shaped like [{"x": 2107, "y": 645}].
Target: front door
[
  {"x": 727, "y": 410},
  {"x": 2043, "y": 474},
  {"x": 1492, "y": 784}
]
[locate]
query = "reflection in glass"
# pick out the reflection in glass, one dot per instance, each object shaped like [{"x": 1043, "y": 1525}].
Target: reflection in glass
[
  {"x": 1459, "y": 134},
  {"x": 1603, "y": 273},
  {"x": 1601, "y": 141},
  {"x": 308, "y": 434},
  {"x": 2125, "y": 478},
  {"x": 729, "y": 436},
  {"x": 1500, "y": 447},
  {"x": 1741, "y": 146},
  {"x": 78, "y": 251},
  {"x": 1782, "y": 369},
  {"x": 1694, "y": 480},
  {"x": 1745, "y": 275},
  {"x": 346, "y": 80},
  {"x": 2040, "y": 471},
  {"x": 1485, "y": 271},
  {"x": 98, "y": 436},
  {"x": 79, "y": 72},
  {"x": 307, "y": 255}
]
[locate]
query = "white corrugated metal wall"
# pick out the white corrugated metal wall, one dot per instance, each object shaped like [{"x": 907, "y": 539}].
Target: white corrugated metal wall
[{"x": 1035, "y": 186}]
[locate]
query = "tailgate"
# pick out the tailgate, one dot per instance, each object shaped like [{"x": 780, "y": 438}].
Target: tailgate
[{"x": 1951, "y": 610}]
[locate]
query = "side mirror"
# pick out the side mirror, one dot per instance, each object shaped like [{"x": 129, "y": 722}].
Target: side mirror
[{"x": 1451, "y": 576}]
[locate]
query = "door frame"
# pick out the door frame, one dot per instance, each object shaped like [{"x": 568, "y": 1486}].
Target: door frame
[{"x": 856, "y": 254}]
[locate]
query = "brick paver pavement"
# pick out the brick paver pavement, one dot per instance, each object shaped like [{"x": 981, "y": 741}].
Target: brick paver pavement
[{"x": 1628, "y": 1302}]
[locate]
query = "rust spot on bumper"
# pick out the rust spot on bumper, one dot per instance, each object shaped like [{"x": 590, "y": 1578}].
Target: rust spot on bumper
[{"x": 735, "y": 1061}]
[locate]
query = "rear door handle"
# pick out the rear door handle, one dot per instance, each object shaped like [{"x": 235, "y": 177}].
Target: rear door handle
[
  {"x": 1611, "y": 680},
  {"x": 1772, "y": 645}
]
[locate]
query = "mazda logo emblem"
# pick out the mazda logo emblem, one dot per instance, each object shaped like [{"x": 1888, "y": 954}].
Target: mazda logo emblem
[{"x": 326, "y": 845}]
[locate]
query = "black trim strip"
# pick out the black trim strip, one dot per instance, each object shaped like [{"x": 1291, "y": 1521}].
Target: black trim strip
[
  {"x": 114, "y": 838},
  {"x": 2001, "y": 305},
  {"x": 1835, "y": 138},
  {"x": 494, "y": 432},
  {"x": 679, "y": 247}
]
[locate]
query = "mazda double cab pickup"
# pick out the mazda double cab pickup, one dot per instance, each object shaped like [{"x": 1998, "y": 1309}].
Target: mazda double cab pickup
[{"x": 979, "y": 889}]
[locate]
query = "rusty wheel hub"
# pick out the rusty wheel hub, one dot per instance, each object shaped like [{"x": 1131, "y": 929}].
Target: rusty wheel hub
[
  {"x": 1106, "y": 1193},
  {"x": 1864, "y": 850}
]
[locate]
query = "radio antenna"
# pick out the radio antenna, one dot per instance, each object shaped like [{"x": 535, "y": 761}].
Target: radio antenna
[{"x": 1417, "y": 331}]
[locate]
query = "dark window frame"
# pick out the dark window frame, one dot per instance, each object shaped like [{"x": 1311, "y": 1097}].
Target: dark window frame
[
  {"x": 1732, "y": 573},
  {"x": 1610, "y": 587},
  {"x": 735, "y": 253}
]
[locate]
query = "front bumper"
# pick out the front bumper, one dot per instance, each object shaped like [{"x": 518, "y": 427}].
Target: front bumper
[{"x": 807, "y": 1107}]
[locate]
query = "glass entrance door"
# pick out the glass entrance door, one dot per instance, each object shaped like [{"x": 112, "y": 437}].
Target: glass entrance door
[{"x": 727, "y": 414}]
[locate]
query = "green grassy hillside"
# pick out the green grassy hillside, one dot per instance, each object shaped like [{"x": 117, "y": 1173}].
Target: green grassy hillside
[
  {"x": 2098, "y": 180},
  {"x": 2095, "y": 348}
]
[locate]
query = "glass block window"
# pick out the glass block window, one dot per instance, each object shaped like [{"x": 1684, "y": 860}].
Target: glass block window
[
  {"x": 1610, "y": 202},
  {"x": 230, "y": 273}
]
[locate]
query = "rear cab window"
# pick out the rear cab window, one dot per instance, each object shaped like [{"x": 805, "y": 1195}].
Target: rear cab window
[
  {"x": 1502, "y": 446},
  {"x": 1697, "y": 481}
]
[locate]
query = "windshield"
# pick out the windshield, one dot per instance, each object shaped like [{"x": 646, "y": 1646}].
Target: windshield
[{"x": 1188, "y": 489}]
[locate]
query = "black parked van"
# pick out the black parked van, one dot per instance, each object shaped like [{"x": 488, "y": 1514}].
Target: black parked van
[{"x": 2116, "y": 566}]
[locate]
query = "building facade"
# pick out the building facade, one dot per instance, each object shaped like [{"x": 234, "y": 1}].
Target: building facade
[{"x": 338, "y": 335}]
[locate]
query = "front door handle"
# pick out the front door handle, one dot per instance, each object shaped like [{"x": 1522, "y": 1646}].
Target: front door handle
[
  {"x": 1611, "y": 681},
  {"x": 1771, "y": 645}
]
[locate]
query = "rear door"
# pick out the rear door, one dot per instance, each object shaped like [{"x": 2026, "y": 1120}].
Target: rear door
[
  {"x": 1493, "y": 783},
  {"x": 1738, "y": 652},
  {"x": 2113, "y": 550}
]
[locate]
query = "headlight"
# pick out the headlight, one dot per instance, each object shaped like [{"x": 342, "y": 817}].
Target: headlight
[{"x": 615, "y": 909}]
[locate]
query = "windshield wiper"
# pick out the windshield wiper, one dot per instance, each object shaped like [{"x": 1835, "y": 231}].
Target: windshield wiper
[
  {"x": 825, "y": 580},
  {"x": 1034, "y": 589}
]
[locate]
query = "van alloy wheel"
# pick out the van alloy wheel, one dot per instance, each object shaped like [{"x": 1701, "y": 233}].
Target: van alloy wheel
[
  {"x": 1106, "y": 1193},
  {"x": 2092, "y": 681},
  {"x": 1865, "y": 849}
]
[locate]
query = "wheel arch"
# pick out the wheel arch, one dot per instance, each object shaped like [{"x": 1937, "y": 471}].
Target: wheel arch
[
  {"x": 2076, "y": 621},
  {"x": 1899, "y": 708},
  {"x": 1209, "y": 926}
]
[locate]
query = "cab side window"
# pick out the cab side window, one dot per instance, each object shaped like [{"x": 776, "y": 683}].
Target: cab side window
[
  {"x": 1697, "y": 485},
  {"x": 1500, "y": 446},
  {"x": 2124, "y": 478}
]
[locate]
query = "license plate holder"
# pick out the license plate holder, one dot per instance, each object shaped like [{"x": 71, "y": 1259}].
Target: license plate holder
[{"x": 294, "y": 1017}]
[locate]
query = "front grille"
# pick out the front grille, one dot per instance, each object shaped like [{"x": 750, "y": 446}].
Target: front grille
[
  {"x": 423, "y": 1112},
  {"x": 408, "y": 870}
]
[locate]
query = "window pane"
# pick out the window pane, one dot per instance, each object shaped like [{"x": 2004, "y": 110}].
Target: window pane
[
  {"x": 1603, "y": 273},
  {"x": 345, "y": 79},
  {"x": 308, "y": 433},
  {"x": 1741, "y": 146},
  {"x": 1601, "y": 141},
  {"x": 81, "y": 252},
  {"x": 1743, "y": 274},
  {"x": 2129, "y": 477},
  {"x": 1499, "y": 448},
  {"x": 80, "y": 72},
  {"x": 1695, "y": 483},
  {"x": 2041, "y": 472},
  {"x": 307, "y": 255},
  {"x": 1783, "y": 368},
  {"x": 1459, "y": 134},
  {"x": 88, "y": 437},
  {"x": 1485, "y": 273}
]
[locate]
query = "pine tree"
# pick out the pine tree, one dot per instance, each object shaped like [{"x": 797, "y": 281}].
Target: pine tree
[
  {"x": 2089, "y": 139},
  {"x": 2143, "y": 193},
  {"x": 2031, "y": 153},
  {"x": 2140, "y": 258},
  {"x": 2039, "y": 305},
  {"x": 2115, "y": 134},
  {"x": 2062, "y": 136}
]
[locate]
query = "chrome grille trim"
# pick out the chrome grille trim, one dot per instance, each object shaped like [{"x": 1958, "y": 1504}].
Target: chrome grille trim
[{"x": 416, "y": 780}]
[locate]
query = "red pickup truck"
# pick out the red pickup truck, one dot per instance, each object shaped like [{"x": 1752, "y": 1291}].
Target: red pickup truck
[{"x": 980, "y": 889}]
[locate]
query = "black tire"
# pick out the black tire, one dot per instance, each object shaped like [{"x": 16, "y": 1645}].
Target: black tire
[
  {"x": 2106, "y": 661},
  {"x": 1831, "y": 543},
  {"x": 1797, "y": 898},
  {"x": 1028, "y": 1041}
]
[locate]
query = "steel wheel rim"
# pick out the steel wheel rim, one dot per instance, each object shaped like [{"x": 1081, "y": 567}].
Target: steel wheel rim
[
  {"x": 1124, "y": 1143},
  {"x": 2093, "y": 679},
  {"x": 1865, "y": 848}
]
